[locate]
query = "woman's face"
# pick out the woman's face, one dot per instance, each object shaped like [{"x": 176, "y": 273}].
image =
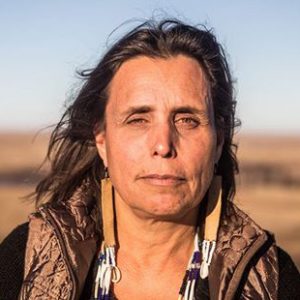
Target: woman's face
[{"x": 160, "y": 143}]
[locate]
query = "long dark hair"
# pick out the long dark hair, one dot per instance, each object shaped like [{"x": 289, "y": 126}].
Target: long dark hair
[{"x": 72, "y": 151}]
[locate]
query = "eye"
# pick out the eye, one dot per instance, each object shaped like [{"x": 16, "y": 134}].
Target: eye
[
  {"x": 137, "y": 121},
  {"x": 187, "y": 122}
]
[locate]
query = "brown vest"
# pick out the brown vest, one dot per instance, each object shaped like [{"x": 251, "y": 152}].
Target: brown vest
[{"x": 63, "y": 241}]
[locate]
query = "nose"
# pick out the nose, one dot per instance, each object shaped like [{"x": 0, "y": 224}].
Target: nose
[{"x": 164, "y": 139}]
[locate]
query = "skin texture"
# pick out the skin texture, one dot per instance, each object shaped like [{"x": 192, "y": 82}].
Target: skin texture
[{"x": 160, "y": 146}]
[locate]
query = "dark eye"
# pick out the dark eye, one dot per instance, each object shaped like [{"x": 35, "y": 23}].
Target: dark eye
[
  {"x": 187, "y": 122},
  {"x": 137, "y": 121}
]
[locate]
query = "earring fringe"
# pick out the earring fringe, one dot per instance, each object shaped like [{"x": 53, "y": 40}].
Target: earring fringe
[
  {"x": 208, "y": 248},
  {"x": 107, "y": 272}
]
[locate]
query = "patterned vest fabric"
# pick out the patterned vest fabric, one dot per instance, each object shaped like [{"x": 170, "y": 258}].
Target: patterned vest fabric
[{"x": 64, "y": 238}]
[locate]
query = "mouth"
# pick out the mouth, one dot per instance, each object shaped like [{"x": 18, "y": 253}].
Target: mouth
[{"x": 163, "y": 180}]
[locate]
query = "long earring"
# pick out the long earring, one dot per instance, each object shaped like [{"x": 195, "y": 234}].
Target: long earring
[
  {"x": 107, "y": 269},
  {"x": 212, "y": 220},
  {"x": 108, "y": 213}
]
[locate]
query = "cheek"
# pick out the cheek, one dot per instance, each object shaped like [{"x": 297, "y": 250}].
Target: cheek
[
  {"x": 123, "y": 154},
  {"x": 201, "y": 153},
  {"x": 198, "y": 161}
]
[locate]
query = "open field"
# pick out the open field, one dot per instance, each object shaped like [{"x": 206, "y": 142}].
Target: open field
[{"x": 268, "y": 185}]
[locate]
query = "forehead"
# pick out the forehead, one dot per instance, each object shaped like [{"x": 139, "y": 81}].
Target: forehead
[{"x": 179, "y": 78}]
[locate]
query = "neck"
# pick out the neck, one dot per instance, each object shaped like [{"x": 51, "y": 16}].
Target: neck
[{"x": 153, "y": 242}]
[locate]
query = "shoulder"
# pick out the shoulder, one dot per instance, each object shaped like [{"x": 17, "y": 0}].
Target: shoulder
[
  {"x": 289, "y": 277},
  {"x": 12, "y": 256},
  {"x": 17, "y": 236},
  {"x": 15, "y": 243},
  {"x": 271, "y": 259}
]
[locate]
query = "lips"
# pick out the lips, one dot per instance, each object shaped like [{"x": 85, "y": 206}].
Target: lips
[{"x": 163, "y": 180}]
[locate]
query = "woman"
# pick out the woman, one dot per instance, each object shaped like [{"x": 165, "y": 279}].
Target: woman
[{"x": 154, "y": 123}]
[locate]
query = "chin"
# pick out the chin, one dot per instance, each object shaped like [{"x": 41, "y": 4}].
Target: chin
[{"x": 166, "y": 209}]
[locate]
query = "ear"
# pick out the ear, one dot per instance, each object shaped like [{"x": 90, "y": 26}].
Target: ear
[
  {"x": 220, "y": 143},
  {"x": 100, "y": 140}
]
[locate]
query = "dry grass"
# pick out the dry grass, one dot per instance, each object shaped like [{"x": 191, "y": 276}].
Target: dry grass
[
  {"x": 274, "y": 203},
  {"x": 277, "y": 210},
  {"x": 13, "y": 209},
  {"x": 19, "y": 151},
  {"x": 269, "y": 149}
]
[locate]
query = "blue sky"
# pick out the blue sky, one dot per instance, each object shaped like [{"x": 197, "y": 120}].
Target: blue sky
[{"x": 44, "y": 42}]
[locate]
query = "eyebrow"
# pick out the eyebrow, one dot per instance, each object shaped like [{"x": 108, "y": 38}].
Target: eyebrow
[
  {"x": 146, "y": 109},
  {"x": 138, "y": 110},
  {"x": 189, "y": 110}
]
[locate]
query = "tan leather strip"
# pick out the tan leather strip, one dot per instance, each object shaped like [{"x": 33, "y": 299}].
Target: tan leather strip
[
  {"x": 107, "y": 207},
  {"x": 214, "y": 206}
]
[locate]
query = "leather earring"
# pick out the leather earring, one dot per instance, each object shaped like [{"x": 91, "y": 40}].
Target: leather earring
[
  {"x": 212, "y": 220},
  {"x": 108, "y": 213},
  {"x": 107, "y": 271}
]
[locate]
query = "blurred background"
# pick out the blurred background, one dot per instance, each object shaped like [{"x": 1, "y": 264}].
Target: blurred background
[{"x": 43, "y": 43}]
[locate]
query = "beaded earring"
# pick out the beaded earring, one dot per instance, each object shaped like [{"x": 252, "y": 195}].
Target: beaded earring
[{"x": 107, "y": 269}]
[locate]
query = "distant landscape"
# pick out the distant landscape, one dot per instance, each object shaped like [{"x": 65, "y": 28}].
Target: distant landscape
[{"x": 268, "y": 183}]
